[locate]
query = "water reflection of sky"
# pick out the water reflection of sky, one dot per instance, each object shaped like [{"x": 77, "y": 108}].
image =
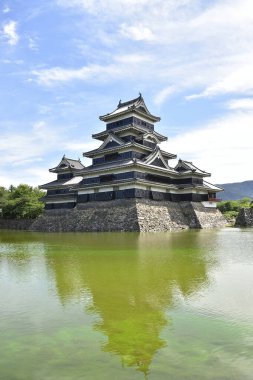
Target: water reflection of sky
[{"x": 230, "y": 293}]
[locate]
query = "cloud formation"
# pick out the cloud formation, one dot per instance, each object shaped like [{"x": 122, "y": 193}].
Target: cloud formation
[
  {"x": 240, "y": 104},
  {"x": 9, "y": 32},
  {"x": 222, "y": 147},
  {"x": 6, "y": 9},
  {"x": 117, "y": 69},
  {"x": 26, "y": 153},
  {"x": 137, "y": 32},
  {"x": 216, "y": 35}
]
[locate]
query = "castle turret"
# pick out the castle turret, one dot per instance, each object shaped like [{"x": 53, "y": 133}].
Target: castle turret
[{"x": 61, "y": 192}]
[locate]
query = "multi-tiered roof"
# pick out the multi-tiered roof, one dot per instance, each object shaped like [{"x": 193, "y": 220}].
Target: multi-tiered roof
[{"x": 128, "y": 164}]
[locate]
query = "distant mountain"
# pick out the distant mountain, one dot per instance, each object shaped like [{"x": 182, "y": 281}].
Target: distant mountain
[{"x": 237, "y": 190}]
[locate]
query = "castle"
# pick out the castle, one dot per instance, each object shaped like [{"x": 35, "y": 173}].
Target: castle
[{"x": 128, "y": 164}]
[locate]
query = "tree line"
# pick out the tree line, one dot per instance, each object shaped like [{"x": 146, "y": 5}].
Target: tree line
[{"x": 21, "y": 202}]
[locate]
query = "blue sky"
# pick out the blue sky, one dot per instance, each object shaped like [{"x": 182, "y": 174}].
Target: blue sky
[{"x": 63, "y": 63}]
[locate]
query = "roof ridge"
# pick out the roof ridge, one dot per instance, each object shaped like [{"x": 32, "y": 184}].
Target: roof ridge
[
  {"x": 123, "y": 104},
  {"x": 70, "y": 159}
]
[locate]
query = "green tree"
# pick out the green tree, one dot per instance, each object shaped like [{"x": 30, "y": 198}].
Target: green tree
[
  {"x": 3, "y": 198},
  {"x": 228, "y": 206},
  {"x": 23, "y": 202},
  {"x": 245, "y": 202}
]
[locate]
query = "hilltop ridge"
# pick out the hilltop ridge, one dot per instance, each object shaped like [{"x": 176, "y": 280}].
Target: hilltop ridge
[{"x": 236, "y": 190}]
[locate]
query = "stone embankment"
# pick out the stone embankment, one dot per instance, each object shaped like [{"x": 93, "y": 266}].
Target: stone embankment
[
  {"x": 245, "y": 218},
  {"x": 16, "y": 224},
  {"x": 128, "y": 215}
]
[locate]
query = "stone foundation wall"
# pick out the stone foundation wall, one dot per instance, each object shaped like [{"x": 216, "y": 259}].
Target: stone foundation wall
[
  {"x": 245, "y": 218},
  {"x": 160, "y": 216},
  {"x": 15, "y": 224},
  {"x": 125, "y": 215},
  {"x": 118, "y": 215},
  {"x": 203, "y": 217},
  {"x": 130, "y": 215}
]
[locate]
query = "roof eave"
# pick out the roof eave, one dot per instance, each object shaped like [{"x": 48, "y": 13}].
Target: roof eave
[
  {"x": 168, "y": 155},
  {"x": 213, "y": 187},
  {"x": 92, "y": 153},
  {"x": 150, "y": 116},
  {"x": 59, "y": 170},
  {"x": 64, "y": 170},
  {"x": 190, "y": 172}
]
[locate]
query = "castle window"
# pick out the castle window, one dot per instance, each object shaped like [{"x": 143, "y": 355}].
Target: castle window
[{"x": 111, "y": 157}]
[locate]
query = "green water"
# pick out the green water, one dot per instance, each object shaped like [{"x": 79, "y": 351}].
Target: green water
[{"x": 127, "y": 306}]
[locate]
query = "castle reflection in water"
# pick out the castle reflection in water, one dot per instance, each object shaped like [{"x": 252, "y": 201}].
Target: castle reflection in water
[{"x": 129, "y": 282}]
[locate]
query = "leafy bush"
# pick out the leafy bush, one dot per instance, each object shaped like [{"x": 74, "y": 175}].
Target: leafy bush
[
  {"x": 230, "y": 215},
  {"x": 245, "y": 202},
  {"x": 22, "y": 201},
  {"x": 226, "y": 206}
]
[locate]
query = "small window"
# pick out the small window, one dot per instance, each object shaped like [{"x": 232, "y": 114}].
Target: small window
[{"x": 111, "y": 157}]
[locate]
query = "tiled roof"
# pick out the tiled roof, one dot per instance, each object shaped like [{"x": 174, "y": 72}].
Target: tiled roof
[
  {"x": 211, "y": 186},
  {"x": 188, "y": 166},
  {"x": 130, "y": 144},
  {"x": 119, "y": 164},
  {"x": 57, "y": 183},
  {"x": 157, "y": 153},
  {"x": 136, "y": 104},
  {"x": 76, "y": 164},
  {"x": 67, "y": 163},
  {"x": 62, "y": 182}
]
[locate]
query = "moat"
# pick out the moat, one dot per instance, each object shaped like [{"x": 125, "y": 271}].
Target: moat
[{"x": 175, "y": 305}]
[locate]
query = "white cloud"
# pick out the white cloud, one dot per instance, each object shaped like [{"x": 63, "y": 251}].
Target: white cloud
[
  {"x": 190, "y": 19},
  {"x": 123, "y": 66},
  {"x": 108, "y": 8},
  {"x": 237, "y": 78},
  {"x": 9, "y": 32},
  {"x": 34, "y": 144},
  {"x": 133, "y": 58},
  {"x": 33, "y": 176},
  {"x": 137, "y": 32},
  {"x": 223, "y": 147},
  {"x": 56, "y": 75},
  {"x": 6, "y": 9},
  {"x": 240, "y": 104},
  {"x": 28, "y": 161},
  {"x": 32, "y": 44},
  {"x": 164, "y": 94},
  {"x": 26, "y": 154},
  {"x": 80, "y": 147}
]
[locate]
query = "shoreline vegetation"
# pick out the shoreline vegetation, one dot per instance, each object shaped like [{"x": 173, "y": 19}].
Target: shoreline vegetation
[{"x": 230, "y": 209}]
